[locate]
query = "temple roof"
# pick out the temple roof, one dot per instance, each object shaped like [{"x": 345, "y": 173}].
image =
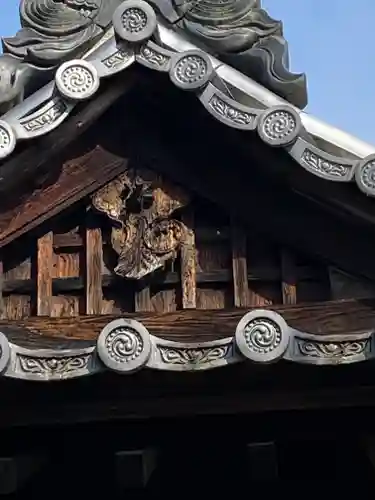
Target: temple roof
[
  {"x": 231, "y": 96},
  {"x": 145, "y": 49}
]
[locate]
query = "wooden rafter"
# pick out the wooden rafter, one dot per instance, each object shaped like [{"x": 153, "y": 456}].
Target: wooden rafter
[
  {"x": 78, "y": 178},
  {"x": 26, "y": 164}
]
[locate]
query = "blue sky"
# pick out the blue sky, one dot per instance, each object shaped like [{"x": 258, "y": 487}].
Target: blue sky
[{"x": 331, "y": 41}]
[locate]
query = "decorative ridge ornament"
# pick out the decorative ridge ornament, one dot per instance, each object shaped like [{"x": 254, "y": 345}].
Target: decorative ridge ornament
[
  {"x": 134, "y": 21},
  {"x": 243, "y": 35},
  {"x": 54, "y": 31},
  {"x": 125, "y": 346},
  {"x": 141, "y": 34}
]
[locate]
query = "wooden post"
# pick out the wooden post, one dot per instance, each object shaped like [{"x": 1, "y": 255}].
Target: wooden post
[
  {"x": 367, "y": 444},
  {"x": 289, "y": 280},
  {"x": 2, "y": 305},
  {"x": 15, "y": 471},
  {"x": 94, "y": 263},
  {"x": 263, "y": 463},
  {"x": 44, "y": 274},
  {"x": 239, "y": 266},
  {"x": 189, "y": 264},
  {"x": 134, "y": 468},
  {"x": 142, "y": 299}
]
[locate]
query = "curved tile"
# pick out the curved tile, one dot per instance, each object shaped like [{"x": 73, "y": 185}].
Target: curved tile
[
  {"x": 322, "y": 164},
  {"x": 227, "y": 110},
  {"x": 279, "y": 125},
  {"x": 125, "y": 346}
]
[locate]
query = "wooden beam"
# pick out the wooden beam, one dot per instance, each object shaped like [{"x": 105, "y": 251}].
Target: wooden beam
[
  {"x": 94, "y": 267},
  {"x": 142, "y": 297},
  {"x": 189, "y": 264},
  {"x": 367, "y": 447},
  {"x": 78, "y": 178},
  {"x": 26, "y": 164},
  {"x": 125, "y": 398},
  {"x": 288, "y": 277},
  {"x": 219, "y": 276},
  {"x": 239, "y": 266},
  {"x": 16, "y": 470},
  {"x": 325, "y": 318},
  {"x": 135, "y": 467},
  {"x": 44, "y": 274},
  {"x": 205, "y": 234},
  {"x": 262, "y": 461}
]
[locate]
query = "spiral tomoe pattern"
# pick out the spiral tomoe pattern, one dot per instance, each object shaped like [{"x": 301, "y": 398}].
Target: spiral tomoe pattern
[
  {"x": 7, "y": 140},
  {"x": 77, "y": 79},
  {"x": 262, "y": 335},
  {"x": 190, "y": 69},
  {"x": 124, "y": 344},
  {"x": 366, "y": 177},
  {"x": 279, "y": 126},
  {"x": 134, "y": 20}
]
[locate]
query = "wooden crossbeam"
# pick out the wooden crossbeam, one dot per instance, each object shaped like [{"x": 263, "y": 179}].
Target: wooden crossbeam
[{"x": 321, "y": 318}]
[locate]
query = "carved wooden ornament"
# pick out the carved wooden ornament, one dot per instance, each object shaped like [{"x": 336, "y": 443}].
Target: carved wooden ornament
[{"x": 143, "y": 234}]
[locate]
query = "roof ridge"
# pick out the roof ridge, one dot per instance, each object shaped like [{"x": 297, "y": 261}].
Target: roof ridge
[{"x": 319, "y": 148}]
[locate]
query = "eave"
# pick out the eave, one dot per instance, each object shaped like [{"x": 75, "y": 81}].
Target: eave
[
  {"x": 340, "y": 198},
  {"x": 348, "y": 216},
  {"x": 320, "y": 149},
  {"x": 207, "y": 159},
  {"x": 47, "y": 349},
  {"x": 218, "y": 164}
]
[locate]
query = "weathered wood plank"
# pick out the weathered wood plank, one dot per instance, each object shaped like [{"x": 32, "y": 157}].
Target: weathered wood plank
[
  {"x": 239, "y": 266},
  {"x": 142, "y": 298},
  {"x": 44, "y": 274},
  {"x": 93, "y": 268},
  {"x": 289, "y": 280},
  {"x": 189, "y": 264},
  {"x": 342, "y": 317},
  {"x": 77, "y": 179}
]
